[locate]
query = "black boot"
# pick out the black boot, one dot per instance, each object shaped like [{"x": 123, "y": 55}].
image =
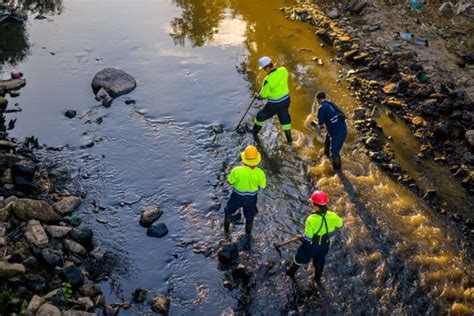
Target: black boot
[
  {"x": 248, "y": 227},
  {"x": 336, "y": 163},
  {"x": 288, "y": 136},
  {"x": 292, "y": 270},
  {"x": 227, "y": 219},
  {"x": 327, "y": 146},
  {"x": 255, "y": 131}
]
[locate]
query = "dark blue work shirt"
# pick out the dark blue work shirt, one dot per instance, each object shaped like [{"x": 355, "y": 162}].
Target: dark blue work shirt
[{"x": 330, "y": 115}]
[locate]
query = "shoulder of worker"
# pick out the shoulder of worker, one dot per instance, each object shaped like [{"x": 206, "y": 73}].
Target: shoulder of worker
[
  {"x": 258, "y": 170},
  {"x": 283, "y": 69},
  {"x": 238, "y": 168},
  {"x": 312, "y": 217}
]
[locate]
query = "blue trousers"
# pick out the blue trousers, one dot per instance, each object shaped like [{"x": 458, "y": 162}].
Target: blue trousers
[
  {"x": 317, "y": 253},
  {"x": 336, "y": 140}
]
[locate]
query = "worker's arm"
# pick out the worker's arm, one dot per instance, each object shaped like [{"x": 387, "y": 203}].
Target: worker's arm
[
  {"x": 307, "y": 237},
  {"x": 232, "y": 177},
  {"x": 262, "y": 183},
  {"x": 265, "y": 90},
  {"x": 321, "y": 116}
]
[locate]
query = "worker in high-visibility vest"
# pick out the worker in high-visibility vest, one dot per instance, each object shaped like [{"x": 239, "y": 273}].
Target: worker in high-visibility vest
[
  {"x": 315, "y": 241},
  {"x": 275, "y": 90},
  {"x": 246, "y": 180}
]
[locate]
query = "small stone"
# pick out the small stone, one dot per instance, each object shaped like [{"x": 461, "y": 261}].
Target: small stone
[
  {"x": 373, "y": 143},
  {"x": 470, "y": 137},
  {"x": 446, "y": 8},
  {"x": 75, "y": 247},
  {"x": 90, "y": 290},
  {"x": 149, "y": 216},
  {"x": 442, "y": 130},
  {"x": 67, "y": 205},
  {"x": 390, "y": 88},
  {"x": 139, "y": 295},
  {"x": 48, "y": 310},
  {"x": 130, "y": 101},
  {"x": 86, "y": 303},
  {"x": 78, "y": 313},
  {"x": 35, "y": 282},
  {"x": 25, "y": 168},
  {"x": 14, "y": 93},
  {"x": 57, "y": 231},
  {"x": 359, "y": 113},
  {"x": 161, "y": 304},
  {"x": 395, "y": 103},
  {"x": 73, "y": 275},
  {"x": 418, "y": 121},
  {"x": 11, "y": 270},
  {"x": 333, "y": 13},
  {"x": 158, "y": 231},
  {"x": 34, "y": 305},
  {"x": 36, "y": 234},
  {"x": 70, "y": 114},
  {"x": 242, "y": 273}
]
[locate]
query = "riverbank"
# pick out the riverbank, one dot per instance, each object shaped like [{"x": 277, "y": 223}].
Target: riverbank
[{"x": 407, "y": 81}]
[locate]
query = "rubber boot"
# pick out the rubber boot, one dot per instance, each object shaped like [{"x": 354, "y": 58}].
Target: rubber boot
[
  {"x": 288, "y": 136},
  {"x": 248, "y": 227},
  {"x": 336, "y": 163},
  {"x": 327, "y": 146},
  {"x": 317, "y": 279},
  {"x": 255, "y": 131},
  {"x": 227, "y": 219},
  {"x": 292, "y": 270}
]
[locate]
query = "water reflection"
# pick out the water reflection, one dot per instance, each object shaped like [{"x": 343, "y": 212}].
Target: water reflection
[
  {"x": 14, "y": 43},
  {"x": 38, "y": 6},
  {"x": 199, "y": 21}
]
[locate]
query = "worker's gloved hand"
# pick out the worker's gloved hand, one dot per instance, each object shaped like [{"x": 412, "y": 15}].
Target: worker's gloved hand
[
  {"x": 257, "y": 95},
  {"x": 304, "y": 240}
]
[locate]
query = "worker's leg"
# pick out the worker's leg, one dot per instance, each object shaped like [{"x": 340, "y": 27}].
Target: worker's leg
[
  {"x": 285, "y": 118},
  {"x": 250, "y": 207},
  {"x": 319, "y": 259},
  {"x": 327, "y": 146},
  {"x": 232, "y": 206},
  {"x": 267, "y": 112},
  {"x": 303, "y": 256},
  {"x": 337, "y": 140}
]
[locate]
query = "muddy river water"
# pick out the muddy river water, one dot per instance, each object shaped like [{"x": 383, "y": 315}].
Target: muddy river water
[{"x": 196, "y": 66}]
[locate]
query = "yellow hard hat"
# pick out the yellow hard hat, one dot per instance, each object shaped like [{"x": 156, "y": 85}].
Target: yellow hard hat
[{"x": 250, "y": 156}]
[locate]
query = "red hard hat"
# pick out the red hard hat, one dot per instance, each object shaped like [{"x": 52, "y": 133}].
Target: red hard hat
[{"x": 320, "y": 198}]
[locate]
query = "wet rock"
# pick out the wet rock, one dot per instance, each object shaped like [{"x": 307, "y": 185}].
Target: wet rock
[
  {"x": 36, "y": 283},
  {"x": 67, "y": 205},
  {"x": 3, "y": 104},
  {"x": 36, "y": 234},
  {"x": 139, "y": 295},
  {"x": 161, "y": 304},
  {"x": 52, "y": 258},
  {"x": 75, "y": 247},
  {"x": 349, "y": 55},
  {"x": 149, "y": 216},
  {"x": 470, "y": 137},
  {"x": 446, "y": 9},
  {"x": 25, "y": 168},
  {"x": 11, "y": 270},
  {"x": 48, "y": 310},
  {"x": 70, "y": 114},
  {"x": 19, "y": 15},
  {"x": 73, "y": 275},
  {"x": 4, "y": 214},
  {"x": 57, "y": 231},
  {"x": 26, "y": 209},
  {"x": 40, "y": 17},
  {"x": 333, "y": 13},
  {"x": 34, "y": 305},
  {"x": 218, "y": 128},
  {"x": 356, "y": 6},
  {"x": 25, "y": 185},
  {"x": 158, "y": 231},
  {"x": 429, "y": 109},
  {"x": 12, "y": 84},
  {"x": 82, "y": 235},
  {"x": 90, "y": 290},
  {"x": 390, "y": 88},
  {"x": 242, "y": 273},
  {"x": 30, "y": 262},
  {"x": 324, "y": 35},
  {"x": 373, "y": 143},
  {"x": 228, "y": 253},
  {"x": 78, "y": 313},
  {"x": 442, "y": 130},
  {"x": 86, "y": 303},
  {"x": 115, "y": 81}
]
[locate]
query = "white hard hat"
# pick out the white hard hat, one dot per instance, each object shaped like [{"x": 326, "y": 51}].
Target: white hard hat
[{"x": 264, "y": 61}]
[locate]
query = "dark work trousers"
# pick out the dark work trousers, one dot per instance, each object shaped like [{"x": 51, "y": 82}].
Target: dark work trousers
[
  {"x": 317, "y": 253},
  {"x": 337, "y": 138},
  {"x": 236, "y": 201},
  {"x": 281, "y": 109}
]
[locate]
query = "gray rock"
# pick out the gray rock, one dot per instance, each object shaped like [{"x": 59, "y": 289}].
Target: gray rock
[
  {"x": 36, "y": 234},
  {"x": 333, "y": 13},
  {"x": 139, "y": 295},
  {"x": 86, "y": 303},
  {"x": 26, "y": 209},
  {"x": 25, "y": 168},
  {"x": 75, "y": 247},
  {"x": 73, "y": 275},
  {"x": 161, "y": 304},
  {"x": 446, "y": 8},
  {"x": 115, "y": 81},
  {"x": 158, "y": 231},
  {"x": 373, "y": 143},
  {"x": 470, "y": 137},
  {"x": 11, "y": 270},
  {"x": 149, "y": 216},
  {"x": 70, "y": 114},
  {"x": 33, "y": 306},
  {"x": 11, "y": 84},
  {"x": 82, "y": 235},
  {"x": 359, "y": 113},
  {"x": 3, "y": 104},
  {"x": 57, "y": 231},
  {"x": 67, "y": 205},
  {"x": 78, "y": 313},
  {"x": 48, "y": 310},
  {"x": 90, "y": 290},
  {"x": 4, "y": 214},
  {"x": 52, "y": 258}
]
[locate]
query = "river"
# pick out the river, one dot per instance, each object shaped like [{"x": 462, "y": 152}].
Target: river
[{"x": 196, "y": 66}]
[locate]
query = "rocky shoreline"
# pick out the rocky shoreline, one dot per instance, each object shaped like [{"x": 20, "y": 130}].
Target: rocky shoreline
[{"x": 439, "y": 114}]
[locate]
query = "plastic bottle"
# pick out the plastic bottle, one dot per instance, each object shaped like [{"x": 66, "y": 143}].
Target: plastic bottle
[{"x": 415, "y": 4}]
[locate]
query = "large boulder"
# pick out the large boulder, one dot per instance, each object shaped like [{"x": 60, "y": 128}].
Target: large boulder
[
  {"x": 115, "y": 81},
  {"x": 67, "y": 205},
  {"x": 34, "y": 304},
  {"x": 26, "y": 209},
  {"x": 149, "y": 216},
  {"x": 11, "y": 270}
]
